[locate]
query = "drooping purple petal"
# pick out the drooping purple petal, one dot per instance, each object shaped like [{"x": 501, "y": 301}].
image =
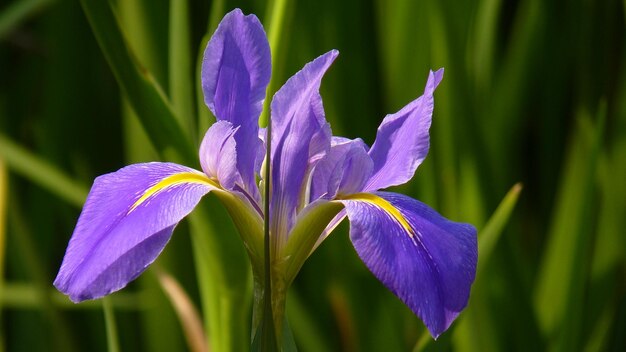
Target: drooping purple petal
[
  {"x": 300, "y": 137},
  {"x": 402, "y": 140},
  {"x": 236, "y": 70},
  {"x": 430, "y": 268},
  {"x": 344, "y": 169},
  {"x": 127, "y": 219},
  {"x": 218, "y": 154}
]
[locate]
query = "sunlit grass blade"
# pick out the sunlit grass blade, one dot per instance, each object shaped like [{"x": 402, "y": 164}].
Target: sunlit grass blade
[
  {"x": 18, "y": 12},
  {"x": 489, "y": 235},
  {"x": 609, "y": 248},
  {"x": 186, "y": 311},
  {"x": 180, "y": 66},
  {"x": 476, "y": 327},
  {"x": 142, "y": 91},
  {"x": 138, "y": 23},
  {"x": 559, "y": 294},
  {"x": 42, "y": 173}
]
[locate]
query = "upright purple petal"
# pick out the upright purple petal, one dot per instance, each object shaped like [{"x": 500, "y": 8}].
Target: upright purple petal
[
  {"x": 300, "y": 137},
  {"x": 127, "y": 219},
  {"x": 402, "y": 140},
  {"x": 343, "y": 170},
  {"x": 236, "y": 70},
  {"x": 426, "y": 260}
]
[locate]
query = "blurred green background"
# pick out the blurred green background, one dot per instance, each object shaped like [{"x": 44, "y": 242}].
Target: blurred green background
[{"x": 533, "y": 103}]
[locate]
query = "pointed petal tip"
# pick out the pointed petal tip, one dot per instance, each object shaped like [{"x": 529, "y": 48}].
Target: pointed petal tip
[
  {"x": 434, "y": 78},
  {"x": 325, "y": 60}
]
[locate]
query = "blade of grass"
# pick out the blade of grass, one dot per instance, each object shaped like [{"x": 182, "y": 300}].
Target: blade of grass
[
  {"x": 142, "y": 91},
  {"x": 40, "y": 172},
  {"x": 4, "y": 194},
  {"x": 304, "y": 326},
  {"x": 276, "y": 16},
  {"x": 180, "y": 64},
  {"x": 224, "y": 277},
  {"x": 18, "y": 12},
  {"x": 490, "y": 234},
  {"x": 487, "y": 18},
  {"x": 137, "y": 21},
  {"x": 476, "y": 329},
  {"x": 186, "y": 311},
  {"x": 31, "y": 259},
  {"x": 560, "y": 286},
  {"x": 113, "y": 344},
  {"x": 28, "y": 296}
]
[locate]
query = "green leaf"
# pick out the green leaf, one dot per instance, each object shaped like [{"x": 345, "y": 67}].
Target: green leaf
[
  {"x": 138, "y": 85},
  {"x": 559, "y": 294},
  {"x": 18, "y": 12},
  {"x": 490, "y": 234},
  {"x": 180, "y": 65},
  {"x": 41, "y": 172}
]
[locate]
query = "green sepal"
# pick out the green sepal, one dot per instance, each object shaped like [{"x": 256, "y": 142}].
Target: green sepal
[
  {"x": 249, "y": 223},
  {"x": 309, "y": 226}
]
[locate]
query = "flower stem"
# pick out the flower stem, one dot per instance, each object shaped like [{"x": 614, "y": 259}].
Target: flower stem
[{"x": 269, "y": 303}]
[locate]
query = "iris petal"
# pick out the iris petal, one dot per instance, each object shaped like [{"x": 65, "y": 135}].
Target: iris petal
[
  {"x": 300, "y": 137},
  {"x": 402, "y": 140},
  {"x": 218, "y": 154},
  {"x": 426, "y": 260},
  {"x": 344, "y": 169},
  {"x": 236, "y": 70},
  {"x": 127, "y": 219}
]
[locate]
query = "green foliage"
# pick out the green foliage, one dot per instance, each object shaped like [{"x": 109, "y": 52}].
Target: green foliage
[{"x": 534, "y": 93}]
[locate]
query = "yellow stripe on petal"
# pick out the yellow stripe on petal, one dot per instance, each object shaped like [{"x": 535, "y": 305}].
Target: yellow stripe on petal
[
  {"x": 174, "y": 180},
  {"x": 384, "y": 205}
]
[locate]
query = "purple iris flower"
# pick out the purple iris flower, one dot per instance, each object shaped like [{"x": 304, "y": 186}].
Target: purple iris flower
[{"x": 317, "y": 180}]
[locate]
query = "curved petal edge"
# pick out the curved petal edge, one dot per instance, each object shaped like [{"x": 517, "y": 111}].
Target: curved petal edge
[
  {"x": 126, "y": 222},
  {"x": 427, "y": 261}
]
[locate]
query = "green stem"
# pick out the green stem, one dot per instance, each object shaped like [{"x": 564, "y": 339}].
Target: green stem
[{"x": 111, "y": 328}]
